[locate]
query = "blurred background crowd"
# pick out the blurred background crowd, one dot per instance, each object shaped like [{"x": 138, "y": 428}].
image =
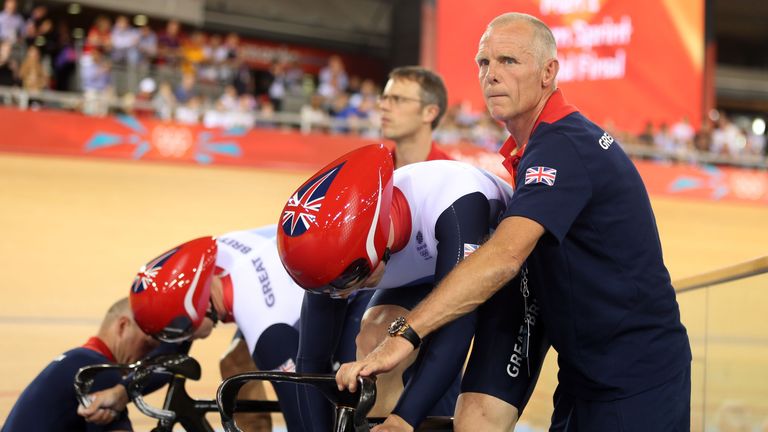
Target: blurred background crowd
[{"x": 154, "y": 68}]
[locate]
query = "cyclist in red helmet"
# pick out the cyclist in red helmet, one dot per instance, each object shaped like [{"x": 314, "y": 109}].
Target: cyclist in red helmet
[
  {"x": 236, "y": 277},
  {"x": 359, "y": 224}
]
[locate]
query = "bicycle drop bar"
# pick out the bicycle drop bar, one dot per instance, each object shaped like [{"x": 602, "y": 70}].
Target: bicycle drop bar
[{"x": 351, "y": 408}]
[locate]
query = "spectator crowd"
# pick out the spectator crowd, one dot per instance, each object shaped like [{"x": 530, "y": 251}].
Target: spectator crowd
[{"x": 194, "y": 77}]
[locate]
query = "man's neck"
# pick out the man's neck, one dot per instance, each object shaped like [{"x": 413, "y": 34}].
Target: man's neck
[
  {"x": 521, "y": 126},
  {"x": 414, "y": 148},
  {"x": 109, "y": 339}
]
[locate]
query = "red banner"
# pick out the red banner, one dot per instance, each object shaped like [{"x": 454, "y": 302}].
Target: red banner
[
  {"x": 62, "y": 133},
  {"x": 622, "y": 62},
  {"x": 126, "y": 137}
]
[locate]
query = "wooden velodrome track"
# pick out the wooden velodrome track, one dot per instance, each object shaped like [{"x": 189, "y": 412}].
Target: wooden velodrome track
[{"x": 74, "y": 231}]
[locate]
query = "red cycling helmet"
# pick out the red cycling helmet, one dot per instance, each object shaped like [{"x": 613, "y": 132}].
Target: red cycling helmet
[
  {"x": 335, "y": 227},
  {"x": 171, "y": 294}
]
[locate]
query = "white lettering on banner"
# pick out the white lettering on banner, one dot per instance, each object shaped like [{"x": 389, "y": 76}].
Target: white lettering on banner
[
  {"x": 581, "y": 34},
  {"x": 588, "y": 66},
  {"x": 547, "y": 7},
  {"x": 578, "y": 60}
]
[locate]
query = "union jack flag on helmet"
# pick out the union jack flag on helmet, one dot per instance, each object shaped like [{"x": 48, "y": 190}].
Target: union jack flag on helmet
[
  {"x": 147, "y": 273},
  {"x": 301, "y": 209}
]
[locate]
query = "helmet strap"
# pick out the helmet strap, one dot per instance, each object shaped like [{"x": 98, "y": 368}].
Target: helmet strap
[
  {"x": 212, "y": 314},
  {"x": 387, "y": 255}
]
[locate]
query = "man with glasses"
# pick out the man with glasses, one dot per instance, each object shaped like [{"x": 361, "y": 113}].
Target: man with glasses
[{"x": 412, "y": 104}]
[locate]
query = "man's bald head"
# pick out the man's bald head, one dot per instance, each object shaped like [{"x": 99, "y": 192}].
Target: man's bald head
[
  {"x": 546, "y": 47},
  {"x": 120, "y": 308}
]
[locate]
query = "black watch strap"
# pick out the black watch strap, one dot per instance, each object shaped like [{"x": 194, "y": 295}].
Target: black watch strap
[{"x": 400, "y": 327}]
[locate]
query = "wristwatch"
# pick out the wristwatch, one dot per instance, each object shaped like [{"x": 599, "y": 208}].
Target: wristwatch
[{"x": 400, "y": 327}]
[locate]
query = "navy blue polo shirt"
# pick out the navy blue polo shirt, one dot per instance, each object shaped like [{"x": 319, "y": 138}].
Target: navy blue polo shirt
[
  {"x": 49, "y": 402},
  {"x": 606, "y": 298}
]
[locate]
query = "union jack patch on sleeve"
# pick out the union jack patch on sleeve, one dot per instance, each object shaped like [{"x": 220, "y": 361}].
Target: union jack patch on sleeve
[
  {"x": 540, "y": 174},
  {"x": 469, "y": 248}
]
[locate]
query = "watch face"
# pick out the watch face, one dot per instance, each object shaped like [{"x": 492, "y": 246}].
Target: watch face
[{"x": 397, "y": 326}]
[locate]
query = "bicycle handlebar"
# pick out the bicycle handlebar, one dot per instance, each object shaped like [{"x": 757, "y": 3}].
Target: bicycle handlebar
[{"x": 354, "y": 405}]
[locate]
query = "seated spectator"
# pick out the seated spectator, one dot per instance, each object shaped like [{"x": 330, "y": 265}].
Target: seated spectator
[
  {"x": 186, "y": 89},
  {"x": 369, "y": 119},
  {"x": 243, "y": 116},
  {"x": 231, "y": 54},
  {"x": 33, "y": 25},
  {"x": 682, "y": 132},
  {"x": 125, "y": 42},
  {"x": 9, "y": 68},
  {"x": 266, "y": 116},
  {"x": 449, "y": 132},
  {"x": 646, "y": 136},
  {"x": 11, "y": 23},
  {"x": 755, "y": 143},
  {"x": 279, "y": 85},
  {"x": 100, "y": 35},
  {"x": 664, "y": 142},
  {"x": 242, "y": 76},
  {"x": 214, "y": 55},
  {"x": 190, "y": 112},
  {"x": 193, "y": 53},
  {"x": 367, "y": 92},
  {"x": 33, "y": 75},
  {"x": 702, "y": 140},
  {"x": 64, "y": 59},
  {"x": 169, "y": 45},
  {"x": 217, "y": 116},
  {"x": 727, "y": 138},
  {"x": 487, "y": 134},
  {"x": 142, "y": 103},
  {"x": 343, "y": 115},
  {"x": 147, "y": 45},
  {"x": 314, "y": 118},
  {"x": 46, "y": 40},
  {"x": 232, "y": 46},
  {"x": 333, "y": 79},
  {"x": 96, "y": 81},
  {"x": 229, "y": 99},
  {"x": 164, "y": 102},
  {"x": 294, "y": 77}
]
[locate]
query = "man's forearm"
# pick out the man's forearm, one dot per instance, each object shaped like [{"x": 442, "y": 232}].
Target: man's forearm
[
  {"x": 479, "y": 276},
  {"x": 469, "y": 285}
]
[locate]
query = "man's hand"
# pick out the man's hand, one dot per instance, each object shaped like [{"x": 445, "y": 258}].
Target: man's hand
[
  {"x": 383, "y": 359},
  {"x": 393, "y": 423},
  {"x": 105, "y": 405}
]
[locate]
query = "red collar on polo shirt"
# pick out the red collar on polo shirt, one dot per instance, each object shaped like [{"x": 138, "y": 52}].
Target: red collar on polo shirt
[
  {"x": 555, "y": 109},
  {"x": 435, "y": 153},
  {"x": 96, "y": 344}
]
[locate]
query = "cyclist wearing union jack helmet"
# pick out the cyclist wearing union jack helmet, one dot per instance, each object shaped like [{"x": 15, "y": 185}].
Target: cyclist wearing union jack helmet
[
  {"x": 352, "y": 226},
  {"x": 236, "y": 277},
  {"x": 358, "y": 224},
  {"x": 171, "y": 294}
]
